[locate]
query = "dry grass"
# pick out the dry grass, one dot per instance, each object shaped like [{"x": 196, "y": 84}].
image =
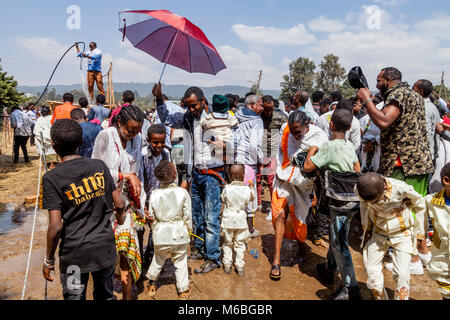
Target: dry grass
[{"x": 17, "y": 181}]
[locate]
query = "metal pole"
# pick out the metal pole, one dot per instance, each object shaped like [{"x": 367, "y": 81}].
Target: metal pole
[
  {"x": 45, "y": 166},
  {"x": 168, "y": 55}
]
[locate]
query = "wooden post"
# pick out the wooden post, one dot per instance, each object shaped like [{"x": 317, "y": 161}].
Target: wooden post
[
  {"x": 112, "y": 87},
  {"x": 107, "y": 89},
  {"x": 259, "y": 82},
  {"x": 443, "y": 88}
]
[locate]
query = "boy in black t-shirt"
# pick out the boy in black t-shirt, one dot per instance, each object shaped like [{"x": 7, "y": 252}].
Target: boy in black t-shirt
[{"x": 80, "y": 196}]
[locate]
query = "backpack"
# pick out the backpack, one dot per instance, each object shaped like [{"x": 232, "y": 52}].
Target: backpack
[{"x": 335, "y": 190}]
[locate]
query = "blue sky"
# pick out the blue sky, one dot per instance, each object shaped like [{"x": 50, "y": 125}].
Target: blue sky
[{"x": 249, "y": 34}]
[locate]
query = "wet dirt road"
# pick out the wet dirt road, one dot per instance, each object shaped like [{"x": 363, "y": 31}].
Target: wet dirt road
[{"x": 297, "y": 283}]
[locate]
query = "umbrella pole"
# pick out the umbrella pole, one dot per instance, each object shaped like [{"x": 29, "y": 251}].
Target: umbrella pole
[
  {"x": 168, "y": 55},
  {"x": 162, "y": 72}
]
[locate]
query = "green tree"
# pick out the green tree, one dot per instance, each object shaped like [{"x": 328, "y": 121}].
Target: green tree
[
  {"x": 9, "y": 93},
  {"x": 48, "y": 96},
  {"x": 300, "y": 77},
  {"x": 331, "y": 74},
  {"x": 347, "y": 90}
]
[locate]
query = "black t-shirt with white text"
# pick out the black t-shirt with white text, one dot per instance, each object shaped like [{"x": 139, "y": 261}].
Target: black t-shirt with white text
[{"x": 81, "y": 189}]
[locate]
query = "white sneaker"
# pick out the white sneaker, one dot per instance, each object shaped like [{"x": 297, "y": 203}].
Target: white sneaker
[
  {"x": 416, "y": 268},
  {"x": 269, "y": 216},
  {"x": 389, "y": 266},
  {"x": 425, "y": 258}
]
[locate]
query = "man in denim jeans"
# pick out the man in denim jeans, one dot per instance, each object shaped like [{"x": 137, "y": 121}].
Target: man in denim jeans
[
  {"x": 205, "y": 175},
  {"x": 338, "y": 155}
]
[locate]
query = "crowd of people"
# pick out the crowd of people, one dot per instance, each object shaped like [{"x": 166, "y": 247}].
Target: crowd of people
[{"x": 378, "y": 158}]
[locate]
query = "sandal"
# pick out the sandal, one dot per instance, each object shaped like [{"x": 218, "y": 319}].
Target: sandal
[
  {"x": 275, "y": 277},
  {"x": 321, "y": 243},
  {"x": 151, "y": 289},
  {"x": 184, "y": 295}
]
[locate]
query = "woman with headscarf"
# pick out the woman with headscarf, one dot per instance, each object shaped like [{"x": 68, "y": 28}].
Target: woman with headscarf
[
  {"x": 292, "y": 190},
  {"x": 119, "y": 146}
]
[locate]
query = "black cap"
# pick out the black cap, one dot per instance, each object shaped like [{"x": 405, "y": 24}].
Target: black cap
[{"x": 357, "y": 79}]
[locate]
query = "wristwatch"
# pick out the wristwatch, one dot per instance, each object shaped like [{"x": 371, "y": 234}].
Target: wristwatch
[{"x": 367, "y": 101}]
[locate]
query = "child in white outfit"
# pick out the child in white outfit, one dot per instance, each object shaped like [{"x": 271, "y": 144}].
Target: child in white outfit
[
  {"x": 438, "y": 209},
  {"x": 235, "y": 197},
  {"x": 387, "y": 207},
  {"x": 171, "y": 220}
]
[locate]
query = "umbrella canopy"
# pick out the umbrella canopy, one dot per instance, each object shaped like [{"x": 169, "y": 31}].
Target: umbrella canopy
[{"x": 171, "y": 39}]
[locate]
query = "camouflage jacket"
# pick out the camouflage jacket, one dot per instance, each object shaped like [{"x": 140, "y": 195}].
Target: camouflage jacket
[{"x": 407, "y": 135}]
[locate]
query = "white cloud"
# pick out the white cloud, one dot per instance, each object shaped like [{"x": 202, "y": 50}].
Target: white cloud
[
  {"x": 322, "y": 24},
  {"x": 435, "y": 27},
  {"x": 390, "y": 3},
  {"x": 241, "y": 67},
  {"x": 416, "y": 53},
  {"x": 419, "y": 50},
  {"x": 285, "y": 62},
  {"x": 295, "y": 36},
  {"x": 43, "y": 48}
]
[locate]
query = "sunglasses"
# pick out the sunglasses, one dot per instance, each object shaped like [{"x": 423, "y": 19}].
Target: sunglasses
[{"x": 191, "y": 106}]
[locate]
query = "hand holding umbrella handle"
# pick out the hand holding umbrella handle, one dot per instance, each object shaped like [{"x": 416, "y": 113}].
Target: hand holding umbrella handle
[{"x": 157, "y": 92}]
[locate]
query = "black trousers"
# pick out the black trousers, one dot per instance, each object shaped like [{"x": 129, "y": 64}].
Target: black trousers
[
  {"x": 146, "y": 255},
  {"x": 74, "y": 285},
  {"x": 20, "y": 142},
  {"x": 32, "y": 136},
  {"x": 318, "y": 224}
]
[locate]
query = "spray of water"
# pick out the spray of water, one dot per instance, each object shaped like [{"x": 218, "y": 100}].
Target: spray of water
[
  {"x": 84, "y": 84},
  {"x": 84, "y": 87}
]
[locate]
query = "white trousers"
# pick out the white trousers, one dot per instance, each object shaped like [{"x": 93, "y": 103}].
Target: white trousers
[
  {"x": 234, "y": 239},
  {"x": 178, "y": 255},
  {"x": 373, "y": 254},
  {"x": 253, "y": 205}
]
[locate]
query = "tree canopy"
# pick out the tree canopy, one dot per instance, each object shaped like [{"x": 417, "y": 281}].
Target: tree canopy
[
  {"x": 9, "y": 93},
  {"x": 329, "y": 77}
]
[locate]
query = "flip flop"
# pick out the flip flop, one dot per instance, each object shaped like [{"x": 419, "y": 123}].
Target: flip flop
[
  {"x": 273, "y": 276},
  {"x": 321, "y": 243}
]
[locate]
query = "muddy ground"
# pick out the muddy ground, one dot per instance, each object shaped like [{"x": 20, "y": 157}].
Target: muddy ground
[{"x": 297, "y": 283}]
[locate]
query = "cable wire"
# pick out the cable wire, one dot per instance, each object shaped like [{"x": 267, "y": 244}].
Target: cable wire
[{"x": 56, "y": 67}]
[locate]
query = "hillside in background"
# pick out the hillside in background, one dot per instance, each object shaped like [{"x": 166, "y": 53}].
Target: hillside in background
[{"x": 144, "y": 89}]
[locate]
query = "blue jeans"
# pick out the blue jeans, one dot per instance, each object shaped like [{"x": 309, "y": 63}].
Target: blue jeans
[
  {"x": 339, "y": 256},
  {"x": 206, "y": 205}
]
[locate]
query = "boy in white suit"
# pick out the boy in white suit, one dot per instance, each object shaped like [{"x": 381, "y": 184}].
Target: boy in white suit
[
  {"x": 438, "y": 208},
  {"x": 235, "y": 197},
  {"x": 387, "y": 207},
  {"x": 171, "y": 220}
]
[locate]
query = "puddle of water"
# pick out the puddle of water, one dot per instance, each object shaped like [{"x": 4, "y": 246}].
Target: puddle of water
[{"x": 12, "y": 218}]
